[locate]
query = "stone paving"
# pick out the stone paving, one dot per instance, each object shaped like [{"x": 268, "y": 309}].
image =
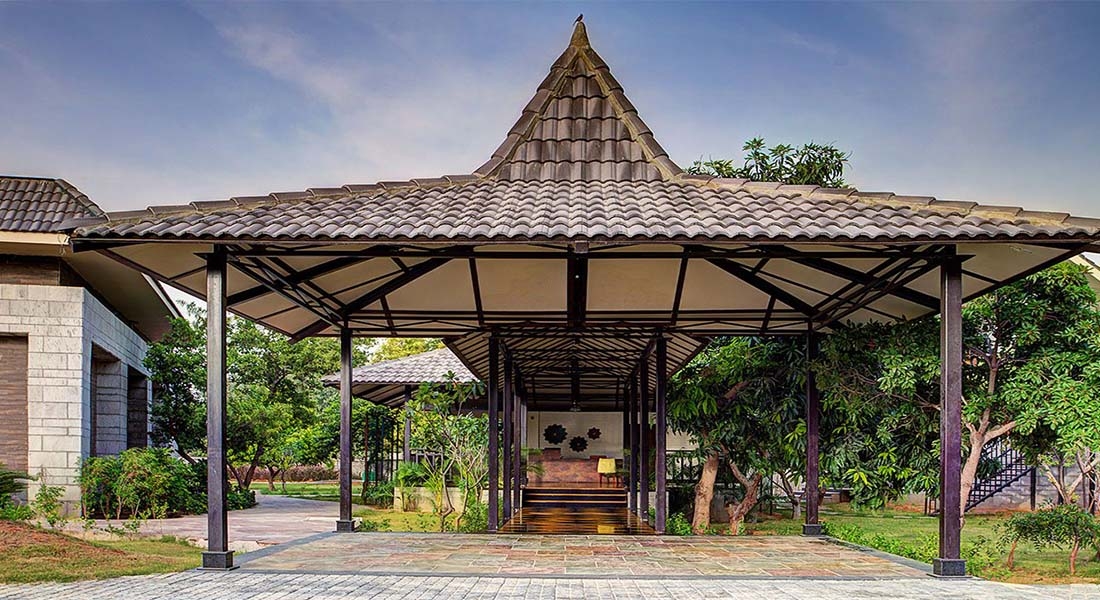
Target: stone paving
[
  {"x": 274, "y": 520},
  {"x": 246, "y": 585},
  {"x": 579, "y": 555}
]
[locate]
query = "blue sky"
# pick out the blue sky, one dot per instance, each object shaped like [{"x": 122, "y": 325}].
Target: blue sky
[{"x": 164, "y": 103}]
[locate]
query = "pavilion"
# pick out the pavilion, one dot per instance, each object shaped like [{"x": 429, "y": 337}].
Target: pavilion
[{"x": 580, "y": 263}]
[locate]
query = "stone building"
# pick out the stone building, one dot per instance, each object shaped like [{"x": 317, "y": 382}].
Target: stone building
[{"x": 74, "y": 331}]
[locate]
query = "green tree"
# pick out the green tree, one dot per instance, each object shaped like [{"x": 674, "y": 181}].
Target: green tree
[
  {"x": 274, "y": 389},
  {"x": 810, "y": 164},
  {"x": 391, "y": 348},
  {"x": 738, "y": 401},
  {"x": 177, "y": 364},
  {"x": 1029, "y": 368},
  {"x": 442, "y": 424},
  {"x": 880, "y": 403}
]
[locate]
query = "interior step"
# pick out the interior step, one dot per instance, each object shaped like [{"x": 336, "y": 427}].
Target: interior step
[{"x": 574, "y": 498}]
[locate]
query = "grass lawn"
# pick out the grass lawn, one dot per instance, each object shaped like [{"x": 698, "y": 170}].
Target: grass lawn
[
  {"x": 1032, "y": 565},
  {"x": 29, "y": 554}
]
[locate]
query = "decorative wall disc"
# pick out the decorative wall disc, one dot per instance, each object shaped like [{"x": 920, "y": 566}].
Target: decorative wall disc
[
  {"x": 578, "y": 444},
  {"x": 594, "y": 433},
  {"x": 555, "y": 434}
]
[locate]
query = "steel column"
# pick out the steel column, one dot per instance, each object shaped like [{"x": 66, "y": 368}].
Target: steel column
[
  {"x": 406, "y": 450},
  {"x": 345, "y": 524},
  {"x": 661, "y": 432},
  {"x": 218, "y": 556},
  {"x": 633, "y": 472},
  {"x": 494, "y": 434},
  {"x": 518, "y": 416},
  {"x": 509, "y": 433},
  {"x": 643, "y": 442},
  {"x": 949, "y": 563},
  {"x": 812, "y": 496}
]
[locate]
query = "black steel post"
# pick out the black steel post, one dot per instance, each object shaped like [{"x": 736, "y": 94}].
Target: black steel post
[
  {"x": 345, "y": 524},
  {"x": 811, "y": 497},
  {"x": 518, "y": 416},
  {"x": 493, "y": 399},
  {"x": 406, "y": 450},
  {"x": 949, "y": 563},
  {"x": 661, "y": 432},
  {"x": 509, "y": 433},
  {"x": 643, "y": 442},
  {"x": 633, "y": 454},
  {"x": 218, "y": 556}
]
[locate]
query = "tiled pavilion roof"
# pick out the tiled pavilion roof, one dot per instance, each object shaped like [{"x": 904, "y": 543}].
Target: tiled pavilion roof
[
  {"x": 578, "y": 232},
  {"x": 580, "y": 163}
]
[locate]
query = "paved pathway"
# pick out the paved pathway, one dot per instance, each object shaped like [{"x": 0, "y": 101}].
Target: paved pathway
[
  {"x": 245, "y": 585},
  {"x": 274, "y": 520},
  {"x": 582, "y": 555}
]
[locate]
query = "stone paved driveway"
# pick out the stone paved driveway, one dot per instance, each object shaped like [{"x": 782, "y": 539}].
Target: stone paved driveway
[
  {"x": 580, "y": 555},
  {"x": 246, "y": 585}
]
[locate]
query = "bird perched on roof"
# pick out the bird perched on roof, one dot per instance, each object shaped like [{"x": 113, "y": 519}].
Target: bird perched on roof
[{"x": 580, "y": 18}]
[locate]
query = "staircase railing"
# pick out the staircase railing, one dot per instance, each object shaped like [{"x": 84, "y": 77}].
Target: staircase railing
[{"x": 1011, "y": 467}]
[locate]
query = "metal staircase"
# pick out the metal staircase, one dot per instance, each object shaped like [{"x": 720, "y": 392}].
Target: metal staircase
[{"x": 1010, "y": 468}]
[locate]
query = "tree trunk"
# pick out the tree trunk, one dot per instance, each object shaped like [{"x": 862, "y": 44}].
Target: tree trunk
[
  {"x": 970, "y": 469},
  {"x": 271, "y": 479},
  {"x": 704, "y": 494},
  {"x": 1073, "y": 557},
  {"x": 1012, "y": 554},
  {"x": 738, "y": 510}
]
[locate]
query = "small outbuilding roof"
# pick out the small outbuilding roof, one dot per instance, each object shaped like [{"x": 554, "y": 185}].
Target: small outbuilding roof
[
  {"x": 385, "y": 382},
  {"x": 41, "y": 205}
]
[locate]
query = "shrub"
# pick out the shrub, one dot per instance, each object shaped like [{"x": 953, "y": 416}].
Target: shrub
[
  {"x": 979, "y": 553},
  {"x": 141, "y": 482},
  {"x": 301, "y": 473},
  {"x": 379, "y": 494},
  {"x": 238, "y": 499},
  {"x": 678, "y": 524},
  {"x": 11, "y": 483},
  {"x": 475, "y": 518},
  {"x": 47, "y": 505},
  {"x": 16, "y": 512},
  {"x": 410, "y": 474},
  {"x": 1058, "y": 527}
]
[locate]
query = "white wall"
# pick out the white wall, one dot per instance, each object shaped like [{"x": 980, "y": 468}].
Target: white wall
[
  {"x": 61, "y": 324},
  {"x": 610, "y": 424}
]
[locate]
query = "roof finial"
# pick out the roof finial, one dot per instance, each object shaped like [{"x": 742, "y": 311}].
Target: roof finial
[{"x": 580, "y": 35}]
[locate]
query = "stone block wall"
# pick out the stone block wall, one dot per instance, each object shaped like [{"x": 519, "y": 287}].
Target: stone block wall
[{"x": 61, "y": 325}]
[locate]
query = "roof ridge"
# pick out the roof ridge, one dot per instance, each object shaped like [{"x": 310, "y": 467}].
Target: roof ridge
[
  {"x": 580, "y": 49},
  {"x": 79, "y": 196},
  {"x": 42, "y": 204}
]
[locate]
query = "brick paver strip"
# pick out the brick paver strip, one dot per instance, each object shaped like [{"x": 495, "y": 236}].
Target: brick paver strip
[{"x": 246, "y": 585}]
